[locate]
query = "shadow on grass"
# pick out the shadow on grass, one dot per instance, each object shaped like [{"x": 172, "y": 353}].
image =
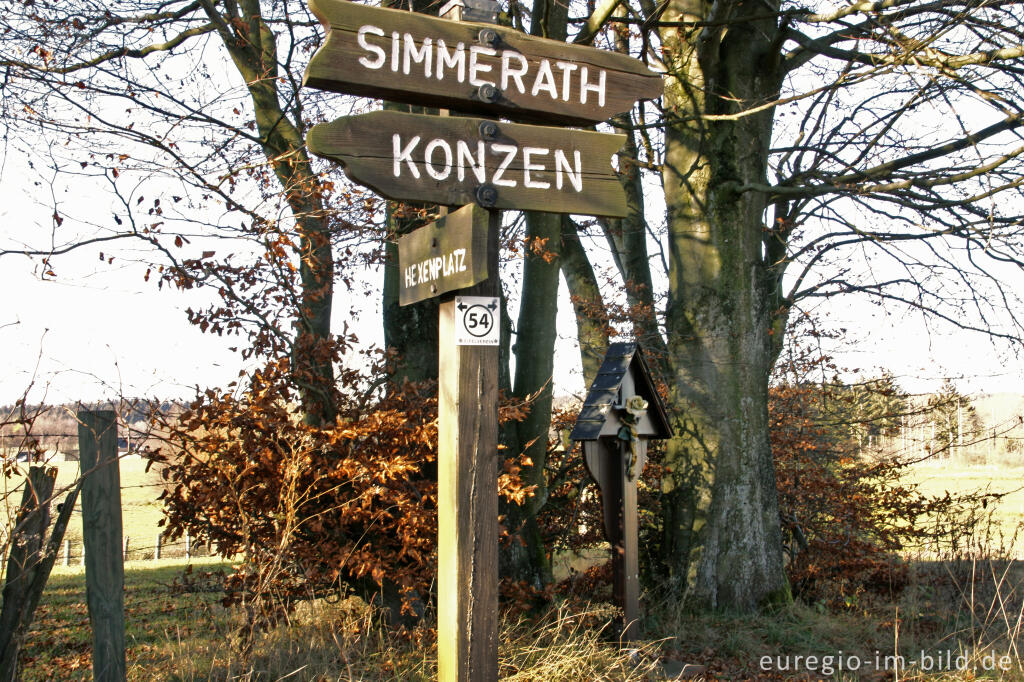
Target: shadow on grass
[{"x": 953, "y": 613}]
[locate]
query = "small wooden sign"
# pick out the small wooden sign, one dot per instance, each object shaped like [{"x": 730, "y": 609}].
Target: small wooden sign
[
  {"x": 476, "y": 68},
  {"x": 458, "y": 161},
  {"x": 443, "y": 256}
]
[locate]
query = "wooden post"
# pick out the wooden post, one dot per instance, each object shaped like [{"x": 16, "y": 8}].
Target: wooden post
[
  {"x": 124, "y": 551},
  {"x": 468, "y": 496},
  {"x": 156, "y": 548},
  {"x": 607, "y": 460},
  {"x": 631, "y": 627},
  {"x": 467, "y": 486},
  {"x": 188, "y": 545},
  {"x": 101, "y": 537},
  {"x": 67, "y": 552}
]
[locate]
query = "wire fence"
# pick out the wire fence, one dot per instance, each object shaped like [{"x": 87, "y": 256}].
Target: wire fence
[
  {"x": 73, "y": 553},
  {"x": 141, "y": 511}
]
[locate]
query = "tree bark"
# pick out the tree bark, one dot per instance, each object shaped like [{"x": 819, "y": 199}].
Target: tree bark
[
  {"x": 409, "y": 331},
  {"x": 253, "y": 49},
  {"x": 24, "y": 563},
  {"x": 628, "y": 239},
  {"x": 534, "y": 348},
  {"x": 588, "y": 305},
  {"x": 527, "y": 558},
  {"x": 722, "y": 540}
]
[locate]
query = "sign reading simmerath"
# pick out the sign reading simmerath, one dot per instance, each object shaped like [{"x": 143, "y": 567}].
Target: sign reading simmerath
[
  {"x": 478, "y": 68},
  {"x": 458, "y": 161}
]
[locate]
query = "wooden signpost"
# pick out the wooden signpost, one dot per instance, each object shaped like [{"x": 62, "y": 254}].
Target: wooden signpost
[
  {"x": 475, "y": 68},
  {"x": 467, "y": 490},
  {"x": 458, "y": 161},
  {"x": 483, "y": 166}
]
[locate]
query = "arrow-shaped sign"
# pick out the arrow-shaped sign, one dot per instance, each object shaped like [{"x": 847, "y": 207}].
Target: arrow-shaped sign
[
  {"x": 478, "y": 68},
  {"x": 456, "y": 161}
]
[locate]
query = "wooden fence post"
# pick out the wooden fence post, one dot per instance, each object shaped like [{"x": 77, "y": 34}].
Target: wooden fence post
[
  {"x": 67, "y": 552},
  {"x": 101, "y": 536},
  {"x": 156, "y": 548}
]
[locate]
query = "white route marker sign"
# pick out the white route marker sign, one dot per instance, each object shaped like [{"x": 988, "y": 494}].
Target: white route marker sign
[{"x": 476, "y": 320}]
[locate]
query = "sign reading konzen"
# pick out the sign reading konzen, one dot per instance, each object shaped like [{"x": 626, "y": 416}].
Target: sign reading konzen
[
  {"x": 477, "y": 68},
  {"x": 455, "y": 161}
]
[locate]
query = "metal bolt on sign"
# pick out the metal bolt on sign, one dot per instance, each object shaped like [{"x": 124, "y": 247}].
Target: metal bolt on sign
[
  {"x": 489, "y": 130},
  {"x": 488, "y": 93},
  {"x": 487, "y": 195},
  {"x": 488, "y": 36}
]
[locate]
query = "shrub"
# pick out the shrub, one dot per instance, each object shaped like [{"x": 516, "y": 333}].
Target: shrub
[
  {"x": 308, "y": 509},
  {"x": 847, "y": 517}
]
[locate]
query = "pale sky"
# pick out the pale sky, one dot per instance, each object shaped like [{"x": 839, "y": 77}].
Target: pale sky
[
  {"x": 106, "y": 334},
  {"x": 99, "y": 331}
]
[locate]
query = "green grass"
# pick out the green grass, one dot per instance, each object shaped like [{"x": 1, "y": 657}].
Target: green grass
[
  {"x": 175, "y": 634},
  {"x": 969, "y": 607},
  {"x": 158, "y": 613},
  {"x": 1003, "y": 522},
  {"x": 178, "y": 635}
]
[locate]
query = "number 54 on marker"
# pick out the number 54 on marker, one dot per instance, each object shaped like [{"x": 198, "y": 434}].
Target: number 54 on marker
[{"x": 476, "y": 320}]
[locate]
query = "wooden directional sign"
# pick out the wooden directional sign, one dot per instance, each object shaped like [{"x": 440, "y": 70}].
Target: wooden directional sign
[
  {"x": 443, "y": 256},
  {"x": 458, "y": 161},
  {"x": 477, "y": 68}
]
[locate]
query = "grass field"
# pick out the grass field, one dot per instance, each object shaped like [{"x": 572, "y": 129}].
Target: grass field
[
  {"x": 141, "y": 511},
  {"x": 1006, "y": 514},
  {"x": 178, "y": 630},
  {"x": 159, "y": 612}
]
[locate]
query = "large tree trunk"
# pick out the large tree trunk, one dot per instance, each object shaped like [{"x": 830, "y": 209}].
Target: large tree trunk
[
  {"x": 254, "y": 53},
  {"x": 722, "y": 540},
  {"x": 627, "y": 238},
  {"x": 585, "y": 294},
  {"x": 409, "y": 331},
  {"x": 526, "y": 558}
]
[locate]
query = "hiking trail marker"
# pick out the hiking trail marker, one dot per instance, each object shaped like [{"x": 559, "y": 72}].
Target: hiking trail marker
[
  {"x": 483, "y": 166},
  {"x": 476, "y": 320}
]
